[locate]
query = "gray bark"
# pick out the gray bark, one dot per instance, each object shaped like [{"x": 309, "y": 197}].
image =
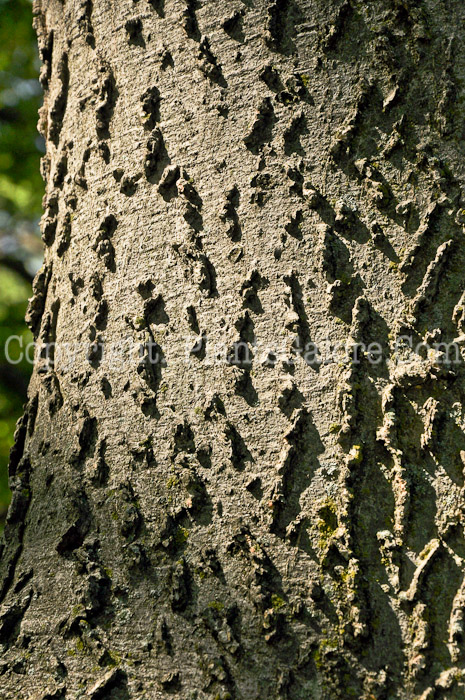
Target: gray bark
[{"x": 244, "y": 175}]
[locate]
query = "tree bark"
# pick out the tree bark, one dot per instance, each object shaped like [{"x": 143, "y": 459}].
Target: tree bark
[{"x": 224, "y": 513}]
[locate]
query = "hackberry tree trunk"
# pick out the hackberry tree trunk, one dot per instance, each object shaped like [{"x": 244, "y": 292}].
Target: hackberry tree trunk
[{"x": 209, "y": 500}]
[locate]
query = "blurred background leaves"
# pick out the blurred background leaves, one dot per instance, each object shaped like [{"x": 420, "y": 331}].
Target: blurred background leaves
[{"x": 21, "y": 191}]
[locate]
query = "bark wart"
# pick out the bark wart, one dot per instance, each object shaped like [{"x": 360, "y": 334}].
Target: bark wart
[{"x": 267, "y": 174}]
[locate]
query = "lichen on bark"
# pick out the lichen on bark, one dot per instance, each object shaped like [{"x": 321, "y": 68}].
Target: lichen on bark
[{"x": 228, "y": 185}]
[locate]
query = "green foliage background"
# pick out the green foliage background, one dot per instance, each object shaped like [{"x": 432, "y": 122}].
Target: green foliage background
[{"x": 21, "y": 191}]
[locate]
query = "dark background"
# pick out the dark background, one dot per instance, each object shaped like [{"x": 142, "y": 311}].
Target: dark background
[{"x": 21, "y": 191}]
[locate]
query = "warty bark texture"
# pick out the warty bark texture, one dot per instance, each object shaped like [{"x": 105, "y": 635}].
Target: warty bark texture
[{"x": 262, "y": 173}]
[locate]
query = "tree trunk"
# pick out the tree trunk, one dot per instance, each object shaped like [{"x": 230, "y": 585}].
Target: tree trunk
[{"x": 221, "y": 511}]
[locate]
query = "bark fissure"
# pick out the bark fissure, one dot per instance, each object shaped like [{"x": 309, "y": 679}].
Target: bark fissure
[{"x": 240, "y": 472}]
